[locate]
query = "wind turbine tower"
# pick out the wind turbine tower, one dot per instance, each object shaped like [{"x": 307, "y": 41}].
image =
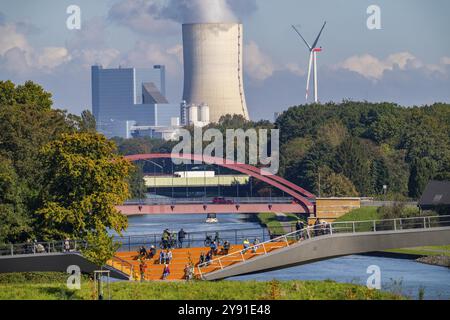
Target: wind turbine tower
[{"x": 313, "y": 50}]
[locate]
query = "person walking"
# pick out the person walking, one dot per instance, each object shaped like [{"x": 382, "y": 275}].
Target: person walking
[
  {"x": 151, "y": 252},
  {"x": 226, "y": 247},
  {"x": 299, "y": 226},
  {"x": 245, "y": 244},
  {"x": 142, "y": 269},
  {"x": 67, "y": 245},
  {"x": 162, "y": 257},
  {"x": 255, "y": 245},
  {"x": 166, "y": 272},
  {"x": 181, "y": 236},
  {"x": 202, "y": 258},
  {"x": 317, "y": 228},
  {"x": 213, "y": 248},
  {"x": 168, "y": 256}
]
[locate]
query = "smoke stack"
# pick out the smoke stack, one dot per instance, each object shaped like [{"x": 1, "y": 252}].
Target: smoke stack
[{"x": 213, "y": 74}]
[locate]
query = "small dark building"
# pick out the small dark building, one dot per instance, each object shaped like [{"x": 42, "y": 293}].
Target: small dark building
[{"x": 436, "y": 196}]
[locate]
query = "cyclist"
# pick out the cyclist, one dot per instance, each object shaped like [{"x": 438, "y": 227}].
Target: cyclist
[
  {"x": 208, "y": 240},
  {"x": 217, "y": 238}
]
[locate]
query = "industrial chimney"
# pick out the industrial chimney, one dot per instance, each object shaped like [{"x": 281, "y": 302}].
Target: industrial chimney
[{"x": 212, "y": 55}]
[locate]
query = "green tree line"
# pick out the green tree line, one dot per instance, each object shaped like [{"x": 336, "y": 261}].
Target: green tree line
[{"x": 59, "y": 179}]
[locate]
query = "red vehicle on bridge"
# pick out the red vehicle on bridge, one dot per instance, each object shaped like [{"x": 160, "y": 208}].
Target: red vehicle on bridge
[{"x": 221, "y": 200}]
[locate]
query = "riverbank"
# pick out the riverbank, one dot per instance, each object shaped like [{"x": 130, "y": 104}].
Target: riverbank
[
  {"x": 277, "y": 224},
  {"x": 53, "y": 287}
]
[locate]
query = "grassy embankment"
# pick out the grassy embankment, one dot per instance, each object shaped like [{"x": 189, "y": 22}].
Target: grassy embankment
[
  {"x": 371, "y": 213},
  {"x": 274, "y": 222},
  {"x": 52, "y": 286}
]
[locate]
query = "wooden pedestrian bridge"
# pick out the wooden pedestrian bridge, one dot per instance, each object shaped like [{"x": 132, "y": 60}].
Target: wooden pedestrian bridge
[{"x": 311, "y": 244}]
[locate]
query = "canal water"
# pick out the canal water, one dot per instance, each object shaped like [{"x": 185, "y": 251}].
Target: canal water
[{"x": 404, "y": 276}]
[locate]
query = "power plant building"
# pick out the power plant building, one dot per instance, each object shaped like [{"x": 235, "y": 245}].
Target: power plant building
[
  {"x": 213, "y": 72},
  {"x": 126, "y": 99}
]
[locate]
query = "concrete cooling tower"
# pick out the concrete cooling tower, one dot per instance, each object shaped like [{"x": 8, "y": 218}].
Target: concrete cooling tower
[{"x": 212, "y": 55}]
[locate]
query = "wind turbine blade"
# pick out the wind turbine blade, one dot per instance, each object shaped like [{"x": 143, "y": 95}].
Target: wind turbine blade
[
  {"x": 318, "y": 36},
  {"x": 298, "y": 32},
  {"x": 309, "y": 74}
]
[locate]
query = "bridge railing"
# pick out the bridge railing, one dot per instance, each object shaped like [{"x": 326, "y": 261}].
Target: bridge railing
[
  {"x": 42, "y": 247},
  {"x": 192, "y": 239},
  {"x": 207, "y": 200},
  {"x": 319, "y": 230}
]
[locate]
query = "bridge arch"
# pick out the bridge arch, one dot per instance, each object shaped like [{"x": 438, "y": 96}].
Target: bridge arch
[{"x": 301, "y": 195}]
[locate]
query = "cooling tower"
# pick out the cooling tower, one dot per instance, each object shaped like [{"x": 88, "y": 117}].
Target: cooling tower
[{"x": 212, "y": 55}]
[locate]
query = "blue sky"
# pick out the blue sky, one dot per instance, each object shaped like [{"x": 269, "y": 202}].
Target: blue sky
[{"x": 407, "y": 61}]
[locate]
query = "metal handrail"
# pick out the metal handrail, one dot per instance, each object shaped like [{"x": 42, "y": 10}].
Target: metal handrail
[
  {"x": 122, "y": 263},
  {"x": 232, "y": 235},
  {"x": 207, "y": 200},
  {"x": 58, "y": 246},
  {"x": 328, "y": 230}
]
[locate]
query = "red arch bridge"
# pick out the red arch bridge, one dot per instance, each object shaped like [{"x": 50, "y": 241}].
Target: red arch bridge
[{"x": 302, "y": 200}]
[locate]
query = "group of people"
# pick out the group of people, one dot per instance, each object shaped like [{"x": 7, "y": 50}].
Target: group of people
[
  {"x": 171, "y": 240},
  {"x": 147, "y": 254},
  {"x": 214, "y": 250},
  {"x": 321, "y": 228},
  {"x": 165, "y": 257},
  {"x": 254, "y": 245}
]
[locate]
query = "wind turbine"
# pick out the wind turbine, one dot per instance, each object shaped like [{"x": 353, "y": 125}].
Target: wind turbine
[{"x": 312, "y": 61}]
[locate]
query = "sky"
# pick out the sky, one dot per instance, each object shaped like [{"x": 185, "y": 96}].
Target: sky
[{"x": 407, "y": 61}]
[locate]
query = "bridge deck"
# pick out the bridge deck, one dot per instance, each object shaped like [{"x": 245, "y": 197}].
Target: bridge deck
[
  {"x": 331, "y": 246},
  {"x": 131, "y": 210}
]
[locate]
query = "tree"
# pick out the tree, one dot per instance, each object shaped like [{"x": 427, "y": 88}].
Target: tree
[
  {"x": 335, "y": 185},
  {"x": 29, "y": 93},
  {"x": 353, "y": 162},
  {"x": 87, "y": 123},
  {"x": 85, "y": 180},
  {"x": 137, "y": 183},
  {"x": 422, "y": 170},
  {"x": 14, "y": 224}
]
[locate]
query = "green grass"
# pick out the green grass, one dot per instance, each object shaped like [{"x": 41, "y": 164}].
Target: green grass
[
  {"x": 424, "y": 251},
  {"x": 360, "y": 214},
  {"x": 270, "y": 220},
  {"x": 198, "y": 290}
]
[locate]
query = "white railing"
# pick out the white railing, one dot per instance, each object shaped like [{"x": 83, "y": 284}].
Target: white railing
[{"x": 313, "y": 231}]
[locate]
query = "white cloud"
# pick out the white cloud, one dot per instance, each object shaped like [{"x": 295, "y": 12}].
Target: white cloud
[
  {"x": 51, "y": 57},
  {"x": 11, "y": 38},
  {"x": 295, "y": 69},
  {"x": 18, "y": 55},
  {"x": 257, "y": 64},
  {"x": 445, "y": 60},
  {"x": 374, "y": 68},
  {"x": 141, "y": 16},
  {"x": 145, "y": 54},
  {"x": 158, "y": 17}
]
